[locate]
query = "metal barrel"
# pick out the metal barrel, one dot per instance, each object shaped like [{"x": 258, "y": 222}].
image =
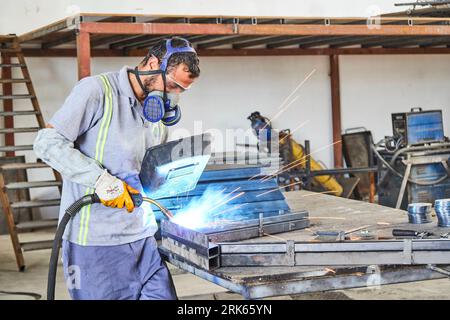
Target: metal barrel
[
  {"x": 442, "y": 208},
  {"x": 419, "y": 213}
]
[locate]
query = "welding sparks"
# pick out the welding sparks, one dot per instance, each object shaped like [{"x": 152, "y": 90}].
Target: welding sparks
[
  {"x": 228, "y": 200},
  {"x": 297, "y": 162},
  {"x": 282, "y": 107},
  {"x": 298, "y": 87},
  {"x": 282, "y": 187},
  {"x": 280, "y": 112},
  {"x": 317, "y": 193},
  {"x": 299, "y": 127},
  {"x": 230, "y": 209},
  {"x": 201, "y": 212}
]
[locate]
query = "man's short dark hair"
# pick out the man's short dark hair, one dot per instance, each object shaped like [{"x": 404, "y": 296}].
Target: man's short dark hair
[{"x": 189, "y": 58}]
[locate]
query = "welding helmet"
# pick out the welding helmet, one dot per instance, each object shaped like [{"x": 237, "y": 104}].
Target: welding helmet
[{"x": 160, "y": 105}]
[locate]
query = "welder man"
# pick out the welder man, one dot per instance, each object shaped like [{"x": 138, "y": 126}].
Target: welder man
[{"x": 97, "y": 141}]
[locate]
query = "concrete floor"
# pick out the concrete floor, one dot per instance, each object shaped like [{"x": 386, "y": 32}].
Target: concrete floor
[{"x": 188, "y": 286}]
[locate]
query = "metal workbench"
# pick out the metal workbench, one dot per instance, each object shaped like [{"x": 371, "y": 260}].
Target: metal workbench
[{"x": 326, "y": 213}]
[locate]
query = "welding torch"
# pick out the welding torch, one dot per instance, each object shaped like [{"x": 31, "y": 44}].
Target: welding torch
[{"x": 70, "y": 212}]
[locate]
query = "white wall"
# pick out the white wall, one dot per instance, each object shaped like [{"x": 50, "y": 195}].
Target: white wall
[{"x": 372, "y": 87}]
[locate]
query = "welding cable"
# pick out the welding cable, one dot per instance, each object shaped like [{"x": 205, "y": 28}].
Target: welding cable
[
  {"x": 164, "y": 210},
  {"x": 71, "y": 211},
  {"x": 417, "y": 148},
  {"x": 388, "y": 165}
]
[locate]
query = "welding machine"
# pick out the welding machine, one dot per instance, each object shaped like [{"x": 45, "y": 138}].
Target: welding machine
[
  {"x": 417, "y": 127},
  {"x": 414, "y": 161}
]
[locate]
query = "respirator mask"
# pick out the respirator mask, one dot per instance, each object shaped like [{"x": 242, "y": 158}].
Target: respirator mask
[{"x": 161, "y": 105}]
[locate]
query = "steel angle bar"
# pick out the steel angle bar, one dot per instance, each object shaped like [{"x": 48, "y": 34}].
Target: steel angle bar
[
  {"x": 169, "y": 228},
  {"x": 256, "y": 231},
  {"x": 287, "y": 217},
  {"x": 190, "y": 245},
  {"x": 355, "y": 246},
  {"x": 335, "y": 259},
  {"x": 185, "y": 252},
  {"x": 297, "y": 286},
  {"x": 407, "y": 252}
]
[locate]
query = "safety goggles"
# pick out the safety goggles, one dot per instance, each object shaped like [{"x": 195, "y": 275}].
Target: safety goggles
[{"x": 177, "y": 84}]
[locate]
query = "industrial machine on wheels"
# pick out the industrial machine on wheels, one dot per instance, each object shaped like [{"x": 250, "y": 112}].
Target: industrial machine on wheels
[{"x": 413, "y": 163}]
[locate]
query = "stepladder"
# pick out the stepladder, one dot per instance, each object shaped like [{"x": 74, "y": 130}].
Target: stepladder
[{"x": 26, "y": 183}]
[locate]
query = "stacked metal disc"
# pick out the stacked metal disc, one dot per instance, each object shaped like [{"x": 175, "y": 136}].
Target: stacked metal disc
[
  {"x": 442, "y": 208},
  {"x": 419, "y": 213}
]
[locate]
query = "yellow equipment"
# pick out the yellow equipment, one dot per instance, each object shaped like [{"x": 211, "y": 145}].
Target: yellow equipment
[{"x": 298, "y": 160}]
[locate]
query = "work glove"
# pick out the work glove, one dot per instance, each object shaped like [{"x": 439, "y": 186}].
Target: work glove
[{"x": 113, "y": 192}]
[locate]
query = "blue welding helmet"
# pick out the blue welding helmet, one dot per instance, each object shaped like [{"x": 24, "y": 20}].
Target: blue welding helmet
[{"x": 160, "y": 105}]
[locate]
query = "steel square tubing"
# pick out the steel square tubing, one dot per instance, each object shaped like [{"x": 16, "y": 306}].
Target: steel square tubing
[
  {"x": 336, "y": 259},
  {"x": 336, "y": 254},
  {"x": 184, "y": 252},
  {"x": 388, "y": 245},
  {"x": 255, "y": 231},
  {"x": 189, "y": 244},
  {"x": 288, "y": 217},
  {"x": 199, "y": 239}
]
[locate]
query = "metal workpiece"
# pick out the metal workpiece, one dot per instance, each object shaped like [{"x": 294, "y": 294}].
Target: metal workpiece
[
  {"x": 258, "y": 227},
  {"x": 304, "y": 281},
  {"x": 395, "y": 252},
  {"x": 200, "y": 248},
  {"x": 190, "y": 245}
]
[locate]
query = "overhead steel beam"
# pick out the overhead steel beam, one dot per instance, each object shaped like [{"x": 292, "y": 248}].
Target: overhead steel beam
[
  {"x": 261, "y": 30},
  {"x": 222, "y": 41},
  {"x": 63, "y": 39},
  {"x": 425, "y": 42},
  {"x": 395, "y": 252},
  {"x": 192, "y": 39},
  {"x": 389, "y": 41},
  {"x": 260, "y": 41},
  {"x": 301, "y": 40},
  {"x": 326, "y": 41},
  {"x": 54, "y": 27},
  {"x": 135, "y": 41},
  {"x": 356, "y": 41},
  {"x": 30, "y": 52},
  {"x": 67, "y": 38}
]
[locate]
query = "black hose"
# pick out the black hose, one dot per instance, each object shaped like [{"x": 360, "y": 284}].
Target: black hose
[
  {"x": 390, "y": 168},
  {"x": 71, "y": 211},
  {"x": 417, "y": 148}
]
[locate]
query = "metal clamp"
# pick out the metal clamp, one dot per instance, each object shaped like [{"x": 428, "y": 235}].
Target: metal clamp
[
  {"x": 235, "y": 25},
  {"x": 254, "y": 21},
  {"x": 290, "y": 252},
  {"x": 410, "y": 22},
  {"x": 219, "y": 20},
  {"x": 261, "y": 225},
  {"x": 327, "y": 22},
  {"x": 407, "y": 251}
]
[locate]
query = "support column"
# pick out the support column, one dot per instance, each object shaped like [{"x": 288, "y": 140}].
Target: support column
[
  {"x": 83, "y": 54},
  {"x": 8, "y": 103},
  {"x": 336, "y": 110}
]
